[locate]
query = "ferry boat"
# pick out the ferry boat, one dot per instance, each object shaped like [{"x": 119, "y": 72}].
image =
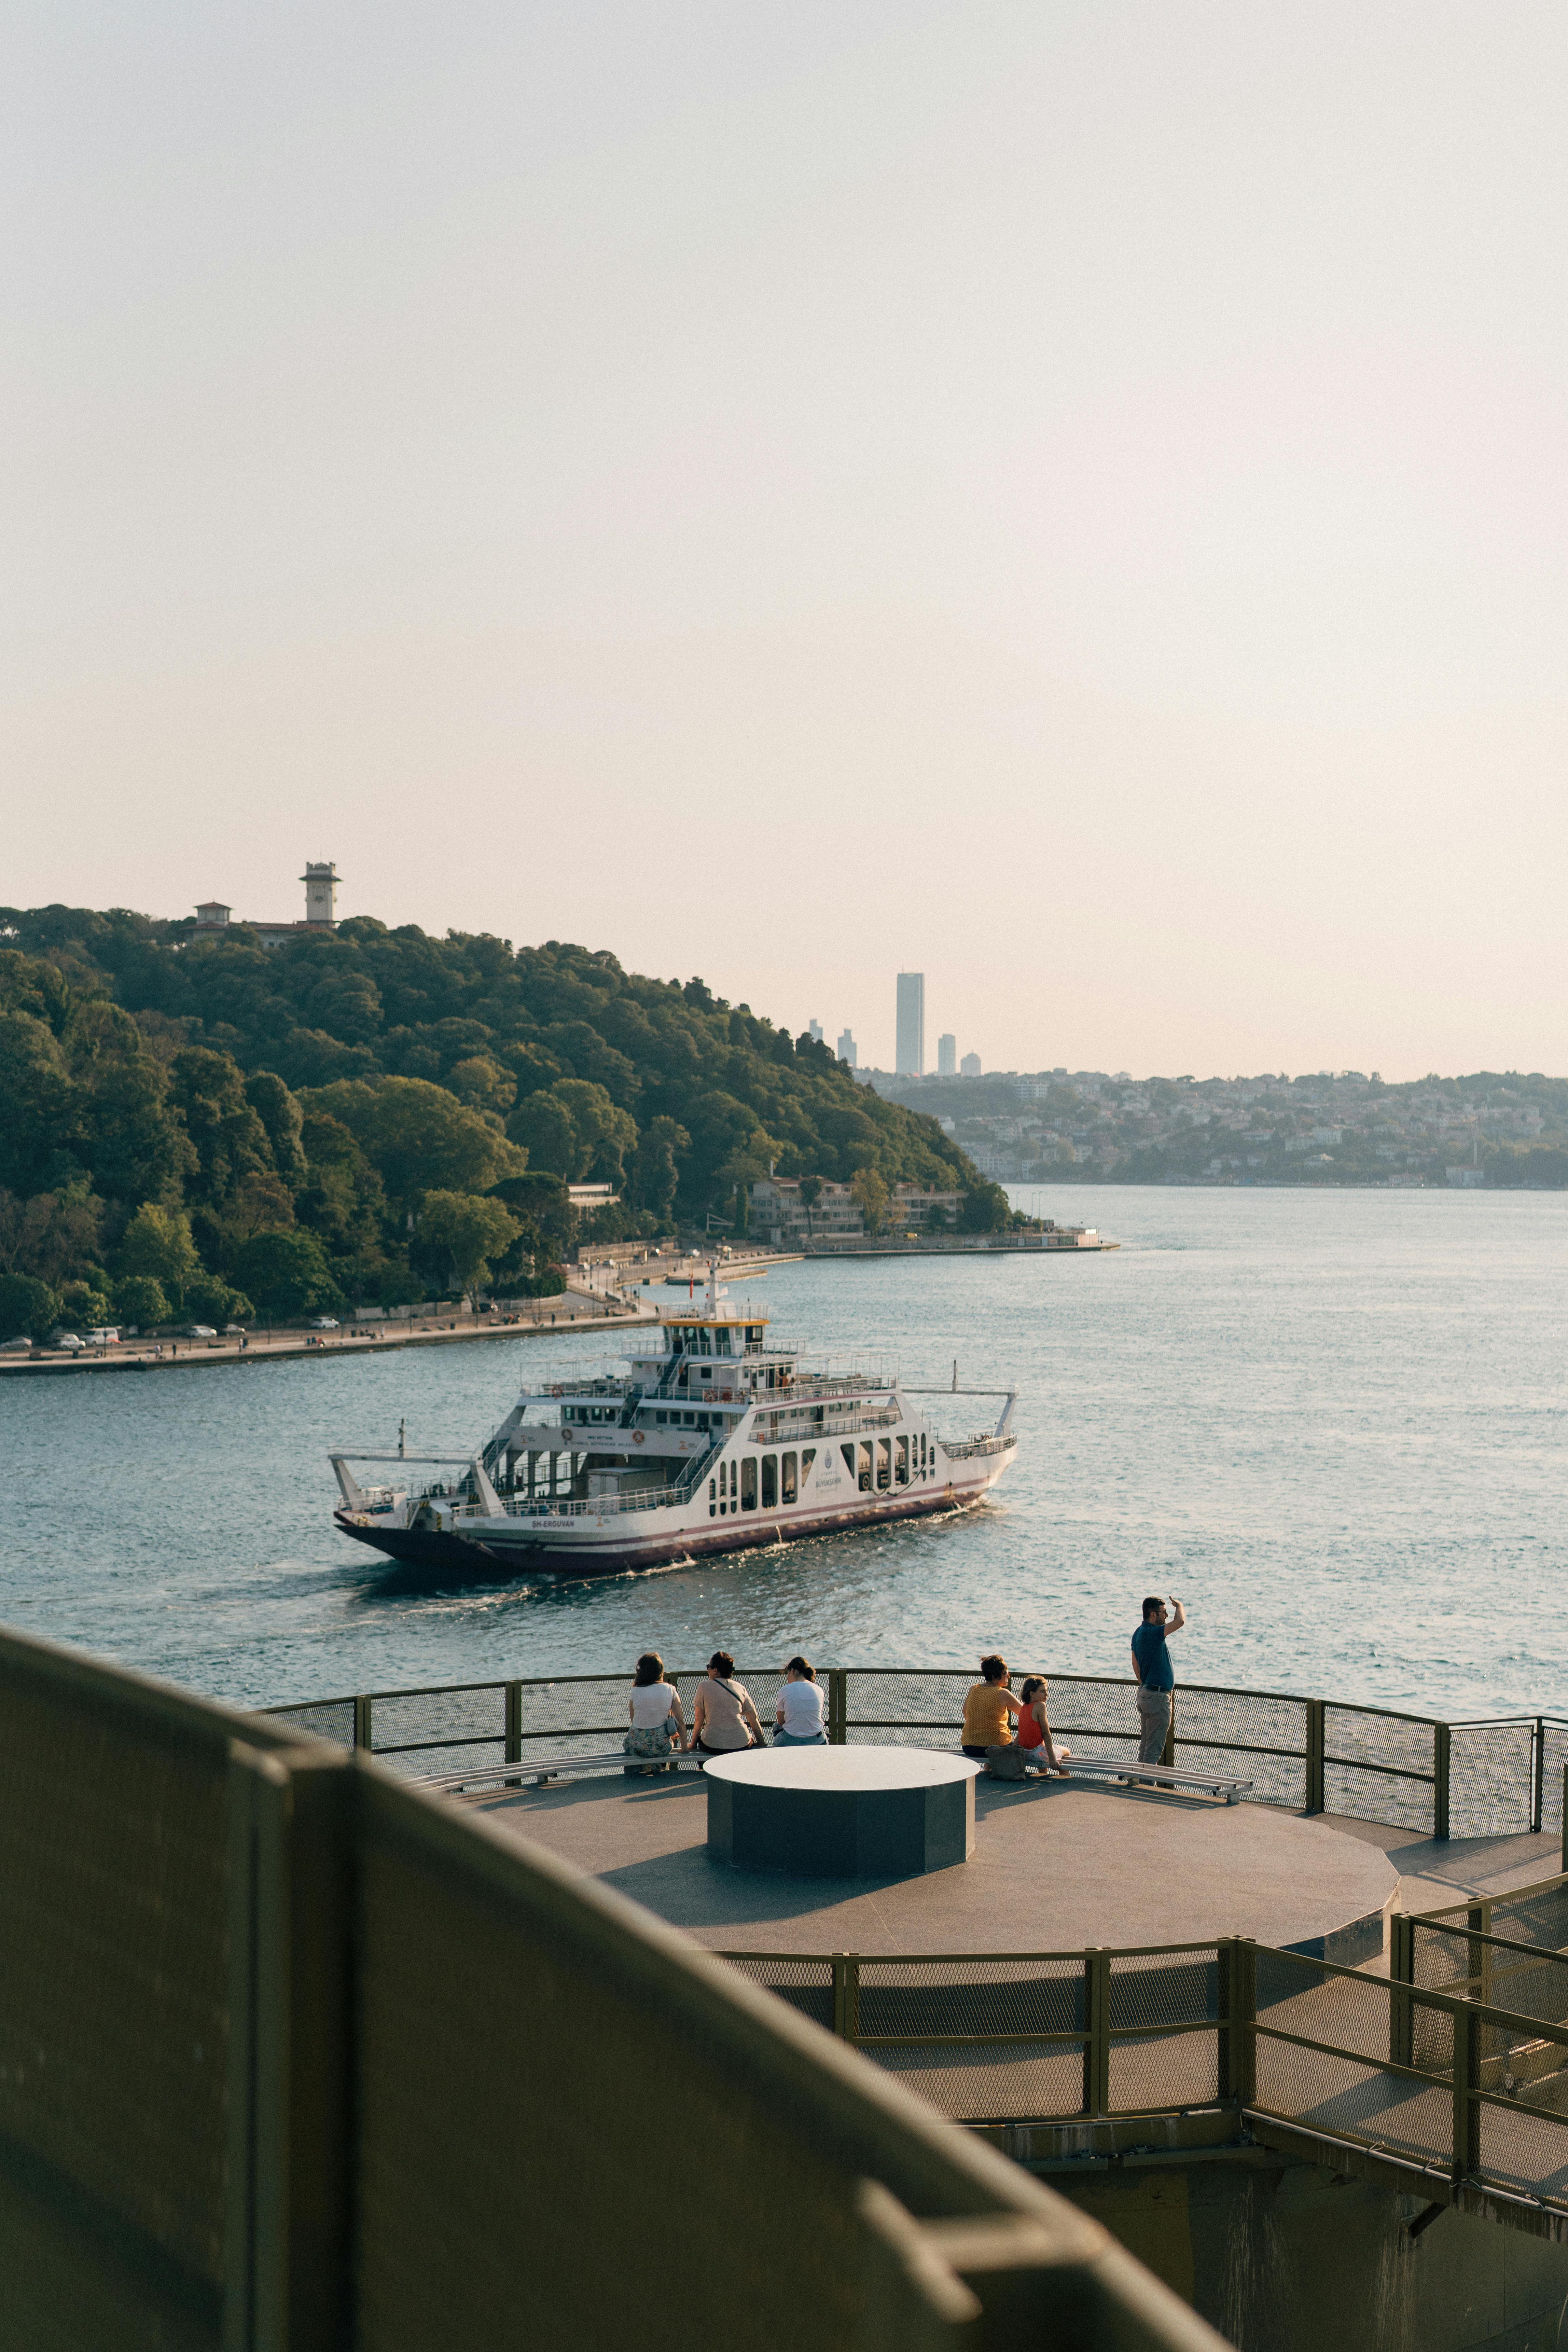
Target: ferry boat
[{"x": 717, "y": 1439}]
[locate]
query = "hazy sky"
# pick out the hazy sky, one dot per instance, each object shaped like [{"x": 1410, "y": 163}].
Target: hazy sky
[{"x": 1068, "y": 497}]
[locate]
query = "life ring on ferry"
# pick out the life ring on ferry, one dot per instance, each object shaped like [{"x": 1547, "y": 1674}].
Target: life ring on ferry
[{"x": 637, "y": 1438}]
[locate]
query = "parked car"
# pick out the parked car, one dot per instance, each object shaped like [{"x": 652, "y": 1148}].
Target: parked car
[
  {"x": 324, "y": 1323},
  {"x": 70, "y": 1340},
  {"x": 200, "y": 1331},
  {"x": 107, "y": 1337}
]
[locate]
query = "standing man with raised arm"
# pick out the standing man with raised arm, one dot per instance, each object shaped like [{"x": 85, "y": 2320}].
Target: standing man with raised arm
[{"x": 1156, "y": 1683}]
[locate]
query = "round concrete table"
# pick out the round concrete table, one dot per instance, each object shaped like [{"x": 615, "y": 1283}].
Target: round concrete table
[{"x": 841, "y": 1812}]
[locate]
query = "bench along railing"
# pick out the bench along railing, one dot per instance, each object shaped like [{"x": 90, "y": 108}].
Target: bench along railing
[
  {"x": 1456, "y": 2099},
  {"x": 1311, "y": 1754}
]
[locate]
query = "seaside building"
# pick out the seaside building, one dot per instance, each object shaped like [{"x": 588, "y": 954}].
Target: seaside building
[
  {"x": 946, "y": 1056},
  {"x": 779, "y": 1215},
  {"x": 320, "y": 880},
  {"x": 814, "y": 1031},
  {"x": 910, "y": 1060},
  {"x": 970, "y": 1066},
  {"x": 848, "y": 1051}
]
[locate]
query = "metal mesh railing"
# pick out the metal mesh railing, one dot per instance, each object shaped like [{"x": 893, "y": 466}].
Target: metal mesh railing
[{"x": 1465, "y": 1779}]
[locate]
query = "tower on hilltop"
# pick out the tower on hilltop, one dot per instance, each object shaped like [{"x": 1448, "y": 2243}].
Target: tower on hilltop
[
  {"x": 320, "y": 893},
  {"x": 947, "y": 1056},
  {"x": 910, "y": 1059}
]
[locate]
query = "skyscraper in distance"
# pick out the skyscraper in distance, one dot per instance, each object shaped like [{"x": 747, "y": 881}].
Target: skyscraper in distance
[
  {"x": 947, "y": 1056},
  {"x": 911, "y": 1058},
  {"x": 848, "y": 1051},
  {"x": 814, "y": 1030},
  {"x": 970, "y": 1066}
]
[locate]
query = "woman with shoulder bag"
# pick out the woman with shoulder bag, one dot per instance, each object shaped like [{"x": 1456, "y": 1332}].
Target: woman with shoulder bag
[{"x": 658, "y": 1717}]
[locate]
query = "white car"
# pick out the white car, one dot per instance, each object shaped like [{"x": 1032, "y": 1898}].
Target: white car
[
  {"x": 200, "y": 1331},
  {"x": 67, "y": 1339},
  {"x": 324, "y": 1323},
  {"x": 107, "y": 1337}
]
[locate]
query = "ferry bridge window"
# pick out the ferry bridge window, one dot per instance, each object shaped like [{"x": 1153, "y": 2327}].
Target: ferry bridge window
[
  {"x": 789, "y": 1487},
  {"x": 806, "y": 1459},
  {"x": 770, "y": 1482},
  {"x": 749, "y": 1483}
]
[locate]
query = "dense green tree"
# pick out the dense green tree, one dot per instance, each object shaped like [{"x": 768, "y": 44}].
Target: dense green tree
[
  {"x": 139, "y": 1299},
  {"x": 40, "y": 1114},
  {"x": 467, "y": 1231},
  {"x": 281, "y": 1118},
  {"x": 158, "y": 1241},
  {"x": 84, "y": 1306},
  {"x": 286, "y": 1274},
  {"x": 29, "y": 1310},
  {"x": 418, "y": 1137},
  {"x": 870, "y": 1191}
]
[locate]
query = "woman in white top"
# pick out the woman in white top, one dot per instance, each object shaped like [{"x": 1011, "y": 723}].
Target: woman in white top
[
  {"x": 722, "y": 1718},
  {"x": 799, "y": 1708},
  {"x": 656, "y": 1715}
]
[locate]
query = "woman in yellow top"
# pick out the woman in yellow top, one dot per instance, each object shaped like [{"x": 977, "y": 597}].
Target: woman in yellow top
[{"x": 987, "y": 1708}]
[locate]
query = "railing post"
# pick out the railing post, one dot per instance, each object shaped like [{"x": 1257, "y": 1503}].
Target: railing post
[
  {"x": 837, "y": 1704},
  {"x": 1441, "y": 1746},
  {"x": 513, "y": 1724},
  {"x": 1236, "y": 1957},
  {"x": 846, "y": 1968},
  {"x": 1536, "y": 1776},
  {"x": 1097, "y": 2032},
  {"x": 364, "y": 1730},
  {"x": 1401, "y": 1972},
  {"x": 1467, "y": 2107},
  {"x": 1478, "y": 1951},
  {"x": 1317, "y": 1710}
]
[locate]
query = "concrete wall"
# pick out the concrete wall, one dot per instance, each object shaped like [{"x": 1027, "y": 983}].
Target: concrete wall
[{"x": 1287, "y": 2257}]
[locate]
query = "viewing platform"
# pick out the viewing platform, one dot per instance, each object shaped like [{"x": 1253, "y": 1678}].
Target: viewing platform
[{"x": 1058, "y": 1866}]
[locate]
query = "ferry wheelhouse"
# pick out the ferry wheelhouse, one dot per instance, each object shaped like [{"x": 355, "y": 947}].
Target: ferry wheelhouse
[{"x": 716, "y": 1439}]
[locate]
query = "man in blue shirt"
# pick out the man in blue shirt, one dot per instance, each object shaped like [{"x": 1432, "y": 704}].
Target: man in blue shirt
[{"x": 1156, "y": 1683}]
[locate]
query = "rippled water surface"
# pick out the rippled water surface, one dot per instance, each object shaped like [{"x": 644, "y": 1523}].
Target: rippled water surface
[{"x": 1331, "y": 1422}]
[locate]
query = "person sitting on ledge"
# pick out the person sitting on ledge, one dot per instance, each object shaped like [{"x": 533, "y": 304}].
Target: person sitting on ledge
[
  {"x": 799, "y": 1710},
  {"x": 724, "y": 1718},
  {"x": 657, "y": 1716},
  {"x": 1041, "y": 1751},
  {"x": 986, "y": 1708}
]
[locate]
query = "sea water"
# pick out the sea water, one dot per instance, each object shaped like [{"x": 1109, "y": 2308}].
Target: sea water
[{"x": 1331, "y": 1422}]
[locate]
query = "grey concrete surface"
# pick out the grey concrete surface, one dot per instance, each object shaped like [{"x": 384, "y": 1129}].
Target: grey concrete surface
[{"x": 1057, "y": 1866}]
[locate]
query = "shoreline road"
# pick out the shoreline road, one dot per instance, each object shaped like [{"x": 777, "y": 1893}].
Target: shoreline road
[{"x": 569, "y": 1311}]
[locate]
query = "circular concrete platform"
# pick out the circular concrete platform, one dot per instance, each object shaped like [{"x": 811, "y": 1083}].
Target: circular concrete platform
[
  {"x": 841, "y": 1812},
  {"x": 1057, "y": 1866}
]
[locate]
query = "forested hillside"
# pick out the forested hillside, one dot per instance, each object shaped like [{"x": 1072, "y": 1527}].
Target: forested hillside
[{"x": 209, "y": 1128}]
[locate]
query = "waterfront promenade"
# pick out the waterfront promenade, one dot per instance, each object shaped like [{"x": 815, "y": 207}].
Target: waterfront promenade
[{"x": 571, "y": 1310}]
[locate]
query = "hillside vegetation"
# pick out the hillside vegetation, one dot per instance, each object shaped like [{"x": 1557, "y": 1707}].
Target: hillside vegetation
[{"x": 210, "y": 1127}]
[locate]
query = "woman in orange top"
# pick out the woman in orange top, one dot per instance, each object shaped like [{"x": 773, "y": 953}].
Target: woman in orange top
[{"x": 987, "y": 1708}]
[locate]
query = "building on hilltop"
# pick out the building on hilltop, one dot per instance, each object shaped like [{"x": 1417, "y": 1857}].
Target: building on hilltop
[
  {"x": 970, "y": 1066},
  {"x": 910, "y": 1060},
  {"x": 848, "y": 1051},
  {"x": 946, "y": 1056},
  {"x": 779, "y": 1216},
  {"x": 814, "y": 1031},
  {"x": 214, "y": 919}
]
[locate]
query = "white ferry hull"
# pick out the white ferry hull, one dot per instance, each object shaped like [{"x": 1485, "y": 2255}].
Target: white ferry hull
[{"x": 533, "y": 1549}]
